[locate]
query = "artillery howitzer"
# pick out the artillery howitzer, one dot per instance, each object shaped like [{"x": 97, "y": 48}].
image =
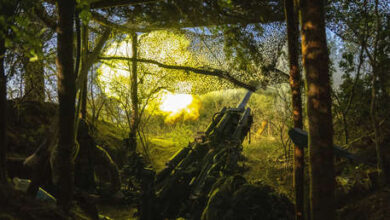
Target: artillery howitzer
[{"x": 183, "y": 186}]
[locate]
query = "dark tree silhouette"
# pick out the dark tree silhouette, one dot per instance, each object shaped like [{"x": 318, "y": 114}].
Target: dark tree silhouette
[
  {"x": 7, "y": 10},
  {"x": 63, "y": 161},
  {"x": 3, "y": 110}
]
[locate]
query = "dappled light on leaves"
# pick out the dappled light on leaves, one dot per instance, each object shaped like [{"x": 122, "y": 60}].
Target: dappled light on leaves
[{"x": 179, "y": 107}]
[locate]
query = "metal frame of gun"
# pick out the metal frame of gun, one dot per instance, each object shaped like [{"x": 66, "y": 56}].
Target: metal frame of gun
[{"x": 213, "y": 153}]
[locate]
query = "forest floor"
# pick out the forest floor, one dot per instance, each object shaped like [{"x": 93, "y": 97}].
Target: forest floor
[
  {"x": 117, "y": 212},
  {"x": 16, "y": 205},
  {"x": 372, "y": 206}
]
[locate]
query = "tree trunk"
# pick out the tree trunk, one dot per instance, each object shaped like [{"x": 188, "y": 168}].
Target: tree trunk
[
  {"x": 7, "y": 11},
  {"x": 3, "y": 117},
  {"x": 34, "y": 81},
  {"x": 345, "y": 127},
  {"x": 380, "y": 155},
  {"x": 34, "y": 75},
  {"x": 84, "y": 55},
  {"x": 344, "y": 112},
  {"x": 316, "y": 65},
  {"x": 63, "y": 161},
  {"x": 295, "y": 84},
  {"x": 377, "y": 136},
  {"x": 134, "y": 96}
]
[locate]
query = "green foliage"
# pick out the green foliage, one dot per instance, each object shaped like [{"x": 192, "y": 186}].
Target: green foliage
[
  {"x": 354, "y": 178},
  {"x": 19, "y": 30},
  {"x": 359, "y": 106},
  {"x": 362, "y": 26},
  {"x": 85, "y": 14},
  {"x": 347, "y": 63}
]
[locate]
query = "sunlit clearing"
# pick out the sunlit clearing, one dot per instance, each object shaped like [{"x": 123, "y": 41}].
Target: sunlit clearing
[{"x": 179, "y": 107}]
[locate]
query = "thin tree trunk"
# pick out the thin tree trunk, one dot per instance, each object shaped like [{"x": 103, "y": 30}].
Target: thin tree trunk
[
  {"x": 134, "y": 95},
  {"x": 295, "y": 84},
  {"x": 349, "y": 104},
  {"x": 84, "y": 54},
  {"x": 316, "y": 65},
  {"x": 63, "y": 161},
  {"x": 3, "y": 117},
  {"x": 345, "y": 126},
  {"x": 373, "y": 107},
  {"x": 374, "y": 121}
]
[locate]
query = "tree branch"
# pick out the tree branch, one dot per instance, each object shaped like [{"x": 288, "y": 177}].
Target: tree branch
[
  {"x": 110, "y": 4},
  {"x": 208, "y": 72},
  {"x": 361, "y": 60},
  {"x": 48, "y": 20},
  {"x": 126, "y": 28},
  {"x": 282, "y": 73},
  {"x": 92, "y": 58}
]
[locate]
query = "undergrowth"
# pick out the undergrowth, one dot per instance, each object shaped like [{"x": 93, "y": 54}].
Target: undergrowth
[{"x": 267, "y": 164}]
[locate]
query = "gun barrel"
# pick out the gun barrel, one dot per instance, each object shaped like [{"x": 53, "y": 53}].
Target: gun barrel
[
  {"x": 173, "y": 162},
  {"x": 245, "y": 100},
  {"x": 245, "y": 122}
]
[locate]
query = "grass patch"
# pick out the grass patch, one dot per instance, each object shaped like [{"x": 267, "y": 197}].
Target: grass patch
[{"x": 268, "y": 165}]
